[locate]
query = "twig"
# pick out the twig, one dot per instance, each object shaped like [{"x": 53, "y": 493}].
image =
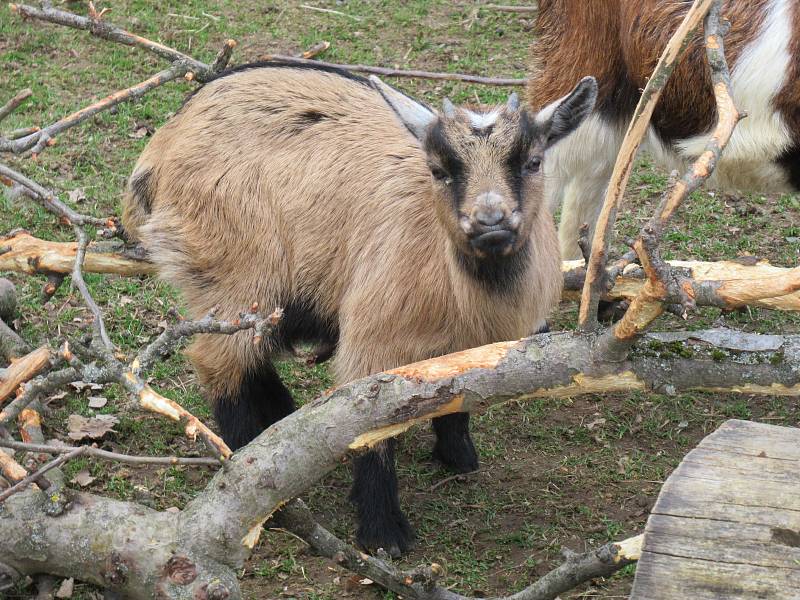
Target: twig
[
  {"x": 109, "y": 32},
  {"x": 36, "y": 388},
  {"x": 511, "y": 9},
  {"x": 330, "y": 11},
  {"x": 169, "y": 339},
  {"x": 49, "y": 200},
  {"x": 315, "y": 50},
  {"x": 420, "y": 583},
  {"x": 36, "y": 142},
  {"x": 33, "y": 477},
  {"x": 223, "y": 56},
  {"x": 12, "y": 104},
  {"x": 595, "y": 283},
  {"x": 399, "y": 72},
  {"x": 77, "y": 279},
  {"x": 441, "y": 482},
  {"x": 107, "y": 455}
]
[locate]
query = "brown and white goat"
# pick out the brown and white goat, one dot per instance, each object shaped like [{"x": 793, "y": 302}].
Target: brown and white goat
[
  {"x": 379, "y": 225},
  {"x": 619, "y": 42}
]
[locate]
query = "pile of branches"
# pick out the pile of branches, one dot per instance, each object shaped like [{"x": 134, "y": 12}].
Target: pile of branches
[{"x": 47, "y": 529}]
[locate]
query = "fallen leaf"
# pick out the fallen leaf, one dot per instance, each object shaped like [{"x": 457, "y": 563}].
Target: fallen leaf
[
  {"x": 97, "y": 401},
  {"x": 79, "y": 385},
  {"x": 138, "y": 133},
  {"x": 82, "y": 478},
  {"x": 172, "y": 509},
  {"x": 65, "y": 589},
  {"x": 163, "y": 324},
  {"x": 125, "y": 300},
  {"x": 77, "y": 196},
  {"x": 595, "y": 423},
  {"x": 93, "y": 428}
]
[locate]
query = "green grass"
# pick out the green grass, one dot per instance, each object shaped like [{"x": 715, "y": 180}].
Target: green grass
[{"x": 555, "y": 473}]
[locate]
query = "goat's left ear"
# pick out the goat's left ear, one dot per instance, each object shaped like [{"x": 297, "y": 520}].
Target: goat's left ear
[
  {"x": 562, "y": 117},
  {"x": 413, "y": 114}
]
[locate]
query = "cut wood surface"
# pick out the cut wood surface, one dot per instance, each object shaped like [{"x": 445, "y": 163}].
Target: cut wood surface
[
  {"x": 26, "y": 254},
  {"x": 727, "y": 521}
]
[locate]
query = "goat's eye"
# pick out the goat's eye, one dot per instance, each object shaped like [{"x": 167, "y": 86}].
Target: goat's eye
[
  {"x": 532, "y": 166},
  {"x": 441, "y": 175}
]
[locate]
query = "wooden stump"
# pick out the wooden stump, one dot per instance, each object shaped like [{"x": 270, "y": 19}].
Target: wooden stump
[{"x": 727, "y": 522}]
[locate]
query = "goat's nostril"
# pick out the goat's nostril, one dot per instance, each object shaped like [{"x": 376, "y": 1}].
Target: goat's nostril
[{"x": 489, "y": 216}]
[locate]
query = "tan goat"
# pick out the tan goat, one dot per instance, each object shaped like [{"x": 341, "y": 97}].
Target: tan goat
[{"x": 378, "y": 225}]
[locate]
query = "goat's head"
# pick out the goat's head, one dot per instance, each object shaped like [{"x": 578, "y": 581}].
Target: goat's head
[{"x": 486, "y": 166}]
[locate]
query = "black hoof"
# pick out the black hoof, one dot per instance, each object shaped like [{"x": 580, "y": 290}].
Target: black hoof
[
  {"x": 459, "y": 457},
  {"x": 393, "y": 534},
  {"x": 454, "y": 448}
]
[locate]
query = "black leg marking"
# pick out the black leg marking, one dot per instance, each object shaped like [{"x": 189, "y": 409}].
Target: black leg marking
[
  {"x": 454, "y": 448},
  {"x": 543, "y": 329},
  {"x": 381, "y": 522},
  {"x": 262, "y": 400}
]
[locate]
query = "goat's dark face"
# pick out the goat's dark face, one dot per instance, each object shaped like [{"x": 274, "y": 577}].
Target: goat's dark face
[
  {"x": 485, "y": 172},
  {"x": 485, "y": 167}
]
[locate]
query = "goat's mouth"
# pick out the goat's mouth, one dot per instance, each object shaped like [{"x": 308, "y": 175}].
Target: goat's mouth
[{"x": 497, "y": 242}]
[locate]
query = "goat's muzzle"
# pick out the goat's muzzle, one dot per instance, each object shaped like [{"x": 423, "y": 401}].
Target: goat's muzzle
[{"x": 491, "y": 225}]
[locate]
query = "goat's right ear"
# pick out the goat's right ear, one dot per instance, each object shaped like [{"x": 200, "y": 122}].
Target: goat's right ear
[
  {"x": 414, "y": 115},
  {"x": 563, "y": 116}
]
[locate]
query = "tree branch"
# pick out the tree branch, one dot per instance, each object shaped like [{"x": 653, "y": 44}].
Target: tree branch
[
  {"x": 387, "y": 72},
  {"x": 595, "y": 283},
  {"x": 107, "y": 455}
]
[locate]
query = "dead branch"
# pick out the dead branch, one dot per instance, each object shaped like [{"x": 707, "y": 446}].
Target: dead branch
[
  {"x": 399, "y": 72},
  {"x": 290, "y": 456},
  {"x": 165, "y": 344},
  {"x": 22, "y": 370},
  {"x": 595, "y": 283},
  {"x": 36, "y": 477},
  {"x": 35, "y": 140},
  {"x": 102, "y": 29},
  {"x": 49, "y": 200},
  {"x": 421, "y": 583},
  {"x": 107, "y": 455},
  {"x": 12, "y": 104},
  {"x": 740, "y": 281},
  {"x": 663, "y": 285},
  {"x": 77, "y": 280},
  {"x": 11, "y": 469},
  {"x": 27, "y": 254},
  {"x": 511, "y": 9}
]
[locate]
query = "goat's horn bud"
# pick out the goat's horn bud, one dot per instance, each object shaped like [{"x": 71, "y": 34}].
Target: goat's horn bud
[
  {"x": 513, "y": 102},
  {"x": 448, "y": 108}
]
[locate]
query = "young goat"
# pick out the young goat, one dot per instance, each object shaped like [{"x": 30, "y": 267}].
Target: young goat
[
  {"x": 619, "y": 41},
  {"x": 378, "y": 225}
]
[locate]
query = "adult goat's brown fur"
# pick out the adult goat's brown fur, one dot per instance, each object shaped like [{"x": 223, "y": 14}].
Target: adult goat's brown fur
[
  {"x": 619, "y": 41},
  {"x": 302, "y": 188}
]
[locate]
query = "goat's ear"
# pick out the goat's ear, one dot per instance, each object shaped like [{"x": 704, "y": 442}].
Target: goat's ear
[
  {"x": 558, "y": 119},
  {"x": 414, "y": 115}
]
